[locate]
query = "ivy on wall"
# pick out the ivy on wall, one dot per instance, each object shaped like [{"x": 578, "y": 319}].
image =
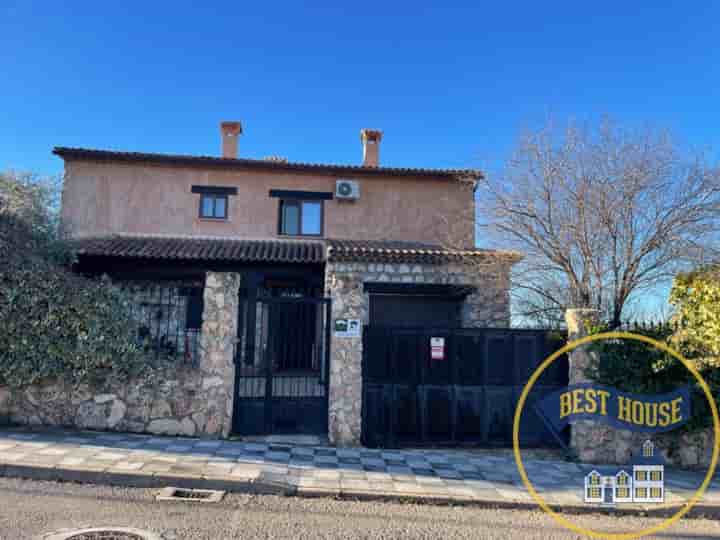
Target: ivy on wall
[{"x": 54, "y": 323}]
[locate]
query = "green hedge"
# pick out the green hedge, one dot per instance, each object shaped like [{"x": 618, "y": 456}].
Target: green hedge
[
  {"x": 634, "y": 366},
  {"x": 54, "y": 323}
]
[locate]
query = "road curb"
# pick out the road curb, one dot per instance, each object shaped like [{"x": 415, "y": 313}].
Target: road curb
[{"x": 100, "y": 476}]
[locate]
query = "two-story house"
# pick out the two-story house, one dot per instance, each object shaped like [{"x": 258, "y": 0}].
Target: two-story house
[{"x": 282, "y": 263}]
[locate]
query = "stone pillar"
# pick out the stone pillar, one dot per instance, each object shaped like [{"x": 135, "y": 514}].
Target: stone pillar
[
  {"x": 591, "y": 442},
  {"x": 217, "y": 349},
  {"x": 583, "y": 440},
  {"x": 345, "y": 288},
  {"x": 489, "y": 304},
  {"x": 578, "y": 322}
]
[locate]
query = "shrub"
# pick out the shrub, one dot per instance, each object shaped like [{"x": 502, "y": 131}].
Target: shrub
[
  {"x": 696, "y": 298},
  {"x": 633, "y": 366},
  {"x": 54, "y": 323}
]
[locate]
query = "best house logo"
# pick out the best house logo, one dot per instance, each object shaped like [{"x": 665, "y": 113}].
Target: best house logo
[
  {"x": 671, "y": 413},
  {"x": 646, "y": 484},
  {"x": 634, "y": 412}
]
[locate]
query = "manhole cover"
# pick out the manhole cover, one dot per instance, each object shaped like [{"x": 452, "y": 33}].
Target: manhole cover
[
  {"x": 106, "y": 535},
  {"x": 102, "y": 533}
]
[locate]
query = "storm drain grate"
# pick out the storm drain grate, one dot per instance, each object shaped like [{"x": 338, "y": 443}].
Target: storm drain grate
[
  {"x": 191, "y": 495},
  {"x": 102, "y": 533}
]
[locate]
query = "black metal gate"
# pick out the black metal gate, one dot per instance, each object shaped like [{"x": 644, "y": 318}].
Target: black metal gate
[
  {"x": 467, "y": 395},
  {"x": 282, "y": 366}
]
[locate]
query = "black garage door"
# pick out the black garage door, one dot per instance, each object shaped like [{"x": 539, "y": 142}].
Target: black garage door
[
  {"x": 414, "y": 311},
  {"x": 465, "y": 396}
]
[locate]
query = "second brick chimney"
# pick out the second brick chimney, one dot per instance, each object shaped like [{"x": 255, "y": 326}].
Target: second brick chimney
[
  {"x": 230, "y": 132},
  {"x": 370, "y": 139}
]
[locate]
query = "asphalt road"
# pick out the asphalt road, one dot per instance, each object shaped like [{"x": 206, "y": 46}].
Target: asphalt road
[{"x": 30, "y": 509}]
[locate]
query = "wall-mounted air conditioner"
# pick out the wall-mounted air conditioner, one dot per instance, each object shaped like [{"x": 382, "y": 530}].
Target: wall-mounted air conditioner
[{"x": 347, "y": 190}]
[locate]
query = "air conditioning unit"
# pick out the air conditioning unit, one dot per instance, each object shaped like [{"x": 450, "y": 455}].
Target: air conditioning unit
[{"x": 347, "y": 189}]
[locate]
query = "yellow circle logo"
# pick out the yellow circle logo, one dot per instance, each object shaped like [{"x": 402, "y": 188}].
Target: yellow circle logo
[{"x": 516, "y": 436}]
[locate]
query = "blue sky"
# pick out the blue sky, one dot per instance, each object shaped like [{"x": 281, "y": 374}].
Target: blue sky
[{"x": 450, "y": 84}]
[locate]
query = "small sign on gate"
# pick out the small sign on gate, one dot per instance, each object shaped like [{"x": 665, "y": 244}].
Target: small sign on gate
[
  {"x": 437, "y": 348},
  {"x": 347, "y": 328}
]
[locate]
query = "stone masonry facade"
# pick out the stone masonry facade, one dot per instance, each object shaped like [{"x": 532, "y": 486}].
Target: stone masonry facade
[
  {"x": 602, "y": 444},
  {"x": 489, "y": 305},
  {"x": 197, "y": 400},
  {"x": 179, "y": 399}
]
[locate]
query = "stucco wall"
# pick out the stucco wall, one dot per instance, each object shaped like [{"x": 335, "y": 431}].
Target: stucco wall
[
  {"x": 488, "y": 306},
  {"x": 104, "y": 198}
]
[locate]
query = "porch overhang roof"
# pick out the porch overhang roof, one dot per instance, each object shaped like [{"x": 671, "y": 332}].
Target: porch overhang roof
[
  {"x": 411, "y": 252},
  {"x": 202, "y": 249},
  {"x": 305, "y": 251}
]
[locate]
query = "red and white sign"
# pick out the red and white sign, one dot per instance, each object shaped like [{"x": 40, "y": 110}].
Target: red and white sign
[{"x": 437, "y": 348}]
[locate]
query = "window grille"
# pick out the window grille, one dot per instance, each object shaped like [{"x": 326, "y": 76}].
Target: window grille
[
  {"x": 168, "y": 317},
  {"x": 623, "y": 493},
  {"x": 594, "y": 492},
  {"x": 641, "y": 475},
  {"x": 641, "y": 492},
  {"x": 655, "y": 493},
  {"x": 656, "y": 476}
]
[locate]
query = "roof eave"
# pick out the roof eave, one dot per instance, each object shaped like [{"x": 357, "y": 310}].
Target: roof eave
[{"x": 67, "y": 153}]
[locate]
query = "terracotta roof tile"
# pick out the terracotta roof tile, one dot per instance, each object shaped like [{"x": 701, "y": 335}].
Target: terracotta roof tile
[
  {"x": 259, "y": 164},
  {"x": 215, "y": 249},
  {"x": 406, "y": 252},
  {"x": 280, "y": 251}
]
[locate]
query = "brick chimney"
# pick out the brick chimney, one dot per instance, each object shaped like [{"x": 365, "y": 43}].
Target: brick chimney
[
  {"x": 370, "y": 139},
  {"x": 230, "y": 132}
]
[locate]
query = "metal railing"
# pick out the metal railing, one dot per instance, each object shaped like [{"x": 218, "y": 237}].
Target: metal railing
[{"x": 168, "y": 317}]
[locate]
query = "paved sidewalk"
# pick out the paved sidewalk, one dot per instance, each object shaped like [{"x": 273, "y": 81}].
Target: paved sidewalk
[{"x": 433, "y": 475}]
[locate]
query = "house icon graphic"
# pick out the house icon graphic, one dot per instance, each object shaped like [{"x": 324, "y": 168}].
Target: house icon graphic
[{"x": 646, "y": 484}]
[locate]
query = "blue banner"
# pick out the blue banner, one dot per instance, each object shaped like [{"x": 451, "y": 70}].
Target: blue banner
[{"x": 654, "y": 413}]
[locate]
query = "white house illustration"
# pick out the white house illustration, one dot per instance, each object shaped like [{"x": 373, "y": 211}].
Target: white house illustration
[{"x": 647, "y": 483}]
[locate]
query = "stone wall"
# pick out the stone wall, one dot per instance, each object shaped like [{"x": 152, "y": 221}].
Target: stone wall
[
  {"x": 178, "y": 399},
  {"x": 602, "y": 444},
  {"x": 489, "y": 305}
]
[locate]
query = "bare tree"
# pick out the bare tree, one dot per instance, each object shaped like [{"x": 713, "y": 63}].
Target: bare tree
[{"x": 601, "y": 214}]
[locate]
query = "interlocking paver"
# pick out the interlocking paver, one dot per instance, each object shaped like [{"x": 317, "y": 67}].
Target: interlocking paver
[
  {"x": 22, "y": 436},
  {"x": 129, "y": 465},
  {"x": 11, "y": 456},
  {"x": 156, "y": 467},
  {"x": 245, "y": 471},
  {"x": 277, "y": 456},
  {"x": 430, "y": 480},
  {"x": 256, "y": 447},
  {"x": 165, "y": 459},
  {"x": 132, "y": 459},
  {"x": 178, "y": 447},
  {"x": 71, "y": 461}
]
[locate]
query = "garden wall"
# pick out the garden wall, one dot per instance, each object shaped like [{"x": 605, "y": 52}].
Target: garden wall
[
  {"x": 178, "y": 398},
  {"x": 602, "y": 444}
]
